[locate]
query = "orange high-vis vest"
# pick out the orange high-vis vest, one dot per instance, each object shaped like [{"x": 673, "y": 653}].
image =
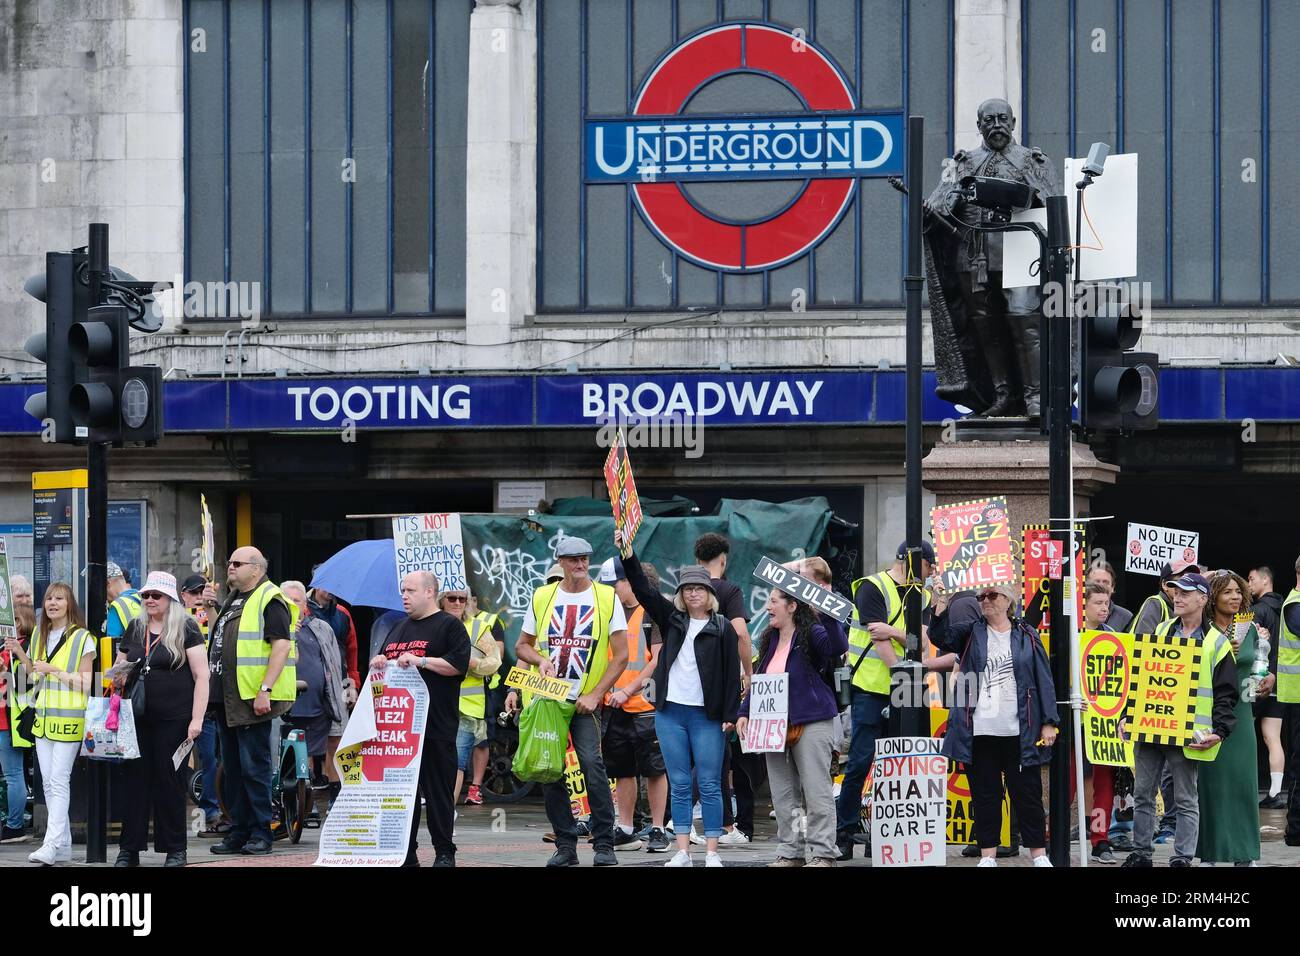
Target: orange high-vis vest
[{"x": 638, "y": 656}]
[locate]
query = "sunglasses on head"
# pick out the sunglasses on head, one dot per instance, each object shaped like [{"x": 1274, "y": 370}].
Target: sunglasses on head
[{"x": 990, "y": 596}]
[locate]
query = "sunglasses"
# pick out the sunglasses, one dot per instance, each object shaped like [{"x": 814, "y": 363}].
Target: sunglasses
[
  {"x": 990, "y": 596},
  {"x": 237, "y": 564},
  {"x": 455, "y": 599},
  {"x": 153, "y": 596}
]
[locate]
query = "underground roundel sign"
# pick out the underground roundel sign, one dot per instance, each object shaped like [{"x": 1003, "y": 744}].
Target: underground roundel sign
[{"x": 828, "y": 145}]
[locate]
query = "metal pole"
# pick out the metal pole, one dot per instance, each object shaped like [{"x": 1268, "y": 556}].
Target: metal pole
[
  {"x": 1076, "y": 692},
  {"x": 96, "y": 570},
  {"x": 913, "y": 718},
  {"x": 1057, "y": 313}
]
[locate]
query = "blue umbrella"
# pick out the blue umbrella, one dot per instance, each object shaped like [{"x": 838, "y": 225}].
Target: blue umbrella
[{"x": 362, "y": 573}]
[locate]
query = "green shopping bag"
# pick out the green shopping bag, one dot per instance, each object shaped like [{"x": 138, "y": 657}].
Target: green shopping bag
[{"x": 543, "y": 740}]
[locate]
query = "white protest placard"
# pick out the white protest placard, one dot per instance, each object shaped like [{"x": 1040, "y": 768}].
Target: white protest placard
[
  {"x": 1148, "y": 547},
  {"x": 378, "y": 760},
  {"x": 769, "y": 708},
  {"x": 776, "y": 575},
  {"x": 909, "y": 802},
  {"x": 431, "y": 542}
]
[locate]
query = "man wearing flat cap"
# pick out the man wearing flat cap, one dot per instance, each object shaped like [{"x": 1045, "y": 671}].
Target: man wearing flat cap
[{"x": 576, "y": 630}]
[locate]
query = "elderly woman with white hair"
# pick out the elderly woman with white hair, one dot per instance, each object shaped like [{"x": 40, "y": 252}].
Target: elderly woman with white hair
[{"x": 1004, "y": 718}]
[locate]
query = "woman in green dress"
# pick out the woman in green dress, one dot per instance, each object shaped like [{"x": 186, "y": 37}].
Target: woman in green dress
[{"x": 1229, "y": 786}]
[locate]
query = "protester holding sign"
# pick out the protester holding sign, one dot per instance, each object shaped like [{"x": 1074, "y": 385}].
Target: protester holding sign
[
  {"x": 576, "y": 630},
  {"x": 59, "y": 669},
  {"x": 11, "y": 744},
  {"x": 1228, "y": 787},
  {"x": 696, "y": 700},
  {"x": 800, "y": 777},
  {"x": 875, "y": 644},
  {"x": 1009, "y": 727},
  {"x": 1216, "y": 699},
  {"x": 437, "y": 644}
]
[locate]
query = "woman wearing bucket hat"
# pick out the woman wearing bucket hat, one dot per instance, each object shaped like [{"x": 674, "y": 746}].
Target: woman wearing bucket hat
[
  {"x": 167, "y": 645},
  {"x": 697, "y": 698},
  {"x": 1004, "y": 718}
]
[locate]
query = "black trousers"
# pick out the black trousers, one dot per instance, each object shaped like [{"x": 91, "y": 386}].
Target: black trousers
[
  {"x": 1291, "y": 725},
  {"x": 748, "y": 771},
  {"x": 991, "y": 758},
  {"x": 437, "y": 783},
  {"x": 152, "y": 784}
]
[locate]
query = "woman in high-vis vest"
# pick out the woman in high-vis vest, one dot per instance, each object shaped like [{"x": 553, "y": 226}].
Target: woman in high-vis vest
[
  {"x": 12, "y": 746},
  {"x": 487, "y": 651},
  {"x": 61, "y": 664}
]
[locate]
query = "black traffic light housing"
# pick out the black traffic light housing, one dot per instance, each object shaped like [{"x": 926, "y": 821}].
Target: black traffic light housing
[
  {"x": 100, "y": 350},
  {"x": 66, "y": 300},
  {"x": 1111, "y": 385},
  {"x": 1146, "y": 414}
]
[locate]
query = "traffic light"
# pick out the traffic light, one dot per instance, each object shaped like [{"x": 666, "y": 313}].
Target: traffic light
[
  {"x": 1146, "y": 414},
  {"x": 100, "y": 350},
  {"x": 1112, "y": 385},
  {"x": 66, "y": 301}
]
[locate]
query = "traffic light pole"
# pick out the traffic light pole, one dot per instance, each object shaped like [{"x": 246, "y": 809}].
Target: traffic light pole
[
  {"x": 97, "y": 569},
  {"x": 1058, "y": 314}
]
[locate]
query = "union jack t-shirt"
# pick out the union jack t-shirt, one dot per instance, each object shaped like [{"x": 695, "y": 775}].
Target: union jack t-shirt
[{"x": 571, "y": 632}]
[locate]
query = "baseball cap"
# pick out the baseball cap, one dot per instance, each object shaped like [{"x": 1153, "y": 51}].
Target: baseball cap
[
  {"x": 612, "y": 570},
  {"x": 1193, "y": 582},
  {"x": 927, "y": 551},
  {"x": 195, "y": 583},
  {"x": 572, "y": 548}
]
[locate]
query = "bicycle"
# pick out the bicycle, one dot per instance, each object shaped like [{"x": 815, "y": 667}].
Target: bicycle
[
  {"x": 291, "y": 795},
  {"x": 500, "y": 785}
]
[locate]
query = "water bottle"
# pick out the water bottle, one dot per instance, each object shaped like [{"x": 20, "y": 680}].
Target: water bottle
[{"x": 1260, "y": 669}]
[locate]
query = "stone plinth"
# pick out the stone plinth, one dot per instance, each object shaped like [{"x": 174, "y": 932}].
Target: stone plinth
[{"x": 967, "y": 470}]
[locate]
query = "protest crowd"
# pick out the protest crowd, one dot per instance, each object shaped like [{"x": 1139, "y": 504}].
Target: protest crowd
[{"x": 665, "y": 693}]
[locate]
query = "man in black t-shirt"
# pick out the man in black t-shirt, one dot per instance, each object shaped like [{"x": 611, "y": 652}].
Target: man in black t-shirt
[{"x": 438, "y": 645}]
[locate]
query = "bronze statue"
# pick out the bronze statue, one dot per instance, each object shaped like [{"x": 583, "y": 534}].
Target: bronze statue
[{"x": 985, "y": 336}]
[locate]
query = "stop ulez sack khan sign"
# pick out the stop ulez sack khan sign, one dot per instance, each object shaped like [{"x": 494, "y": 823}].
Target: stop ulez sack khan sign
[{"x": 1105, "y": 676}]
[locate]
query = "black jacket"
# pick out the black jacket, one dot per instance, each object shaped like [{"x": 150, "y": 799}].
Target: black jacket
[{"x": 716, "y": 656}]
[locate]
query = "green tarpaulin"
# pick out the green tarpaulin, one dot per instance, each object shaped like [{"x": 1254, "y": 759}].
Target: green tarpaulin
[{"x": 507, "y": 556}]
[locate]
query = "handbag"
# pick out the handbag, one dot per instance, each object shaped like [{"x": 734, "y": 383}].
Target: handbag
[{"x": 792, "y": 735}]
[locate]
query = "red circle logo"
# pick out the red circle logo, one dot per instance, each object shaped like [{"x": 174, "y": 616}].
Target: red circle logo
[
  {"x": 786, "y": 235},
  {"x": 1103, "y": 638},
  {"x": 1135, "y": 548}
]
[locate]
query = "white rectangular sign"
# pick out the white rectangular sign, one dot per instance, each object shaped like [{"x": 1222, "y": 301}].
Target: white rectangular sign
[
  {"x": 1148, "y": 547},
  {"x": 431, "y": 542},
  {"x": 519, "y": 495},
  {"x": 769, "y": 708},
  {"x": 909, "y": 802}
]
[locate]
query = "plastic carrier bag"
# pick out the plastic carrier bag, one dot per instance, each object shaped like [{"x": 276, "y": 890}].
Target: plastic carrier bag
[{"x": 543, "y": 739}]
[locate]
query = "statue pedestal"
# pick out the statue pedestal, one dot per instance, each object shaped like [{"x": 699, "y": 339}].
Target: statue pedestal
[{"x": 1016, "y": 469}]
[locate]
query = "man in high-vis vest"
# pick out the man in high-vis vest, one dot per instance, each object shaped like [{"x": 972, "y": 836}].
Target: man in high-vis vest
[
  {"x": 1159, "y": 607},
  {"x": 629, "y": 742},
  {"x": 576, "y": 630},
  {"x": 1288, "y": 694},
  {"x": 876, "y": 642},
  {"x": 124, "y": 606},
  {"x": 1215, "y": 717},
  {"x": 254, "y": 679}
]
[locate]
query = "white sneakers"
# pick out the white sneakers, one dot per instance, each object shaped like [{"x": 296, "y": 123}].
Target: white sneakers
[
  {"x": 733, "y": 838},
  {"x": 986, "y": 861},
  {"x": 712, "y": 859},
  {"x": 1042, "y": 861},
  {"x": 681, "y": 858},
  {"x": 696, "y": 839},
  {"x": 48, "y": 855}
]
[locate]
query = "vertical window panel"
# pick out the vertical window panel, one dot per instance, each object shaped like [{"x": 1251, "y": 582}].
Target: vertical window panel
[
  {"x": 328, "y": 150},
  {"x": 247, "y": 143},
  {"x": 206, "y": 205},
  {"x": 288, "y": 163}
]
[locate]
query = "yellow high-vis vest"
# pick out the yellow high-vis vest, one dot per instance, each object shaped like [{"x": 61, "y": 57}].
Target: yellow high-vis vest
[
  {"x": 1288, "y": 655},
  {"x": 253, "y": 650},
  {"x": 873, "y": 675},
  {"x": 473, "y": 688},
  {"x": 60, "y": 709},
  {"x": 544, "y": 599},
  {"x": 1215, "y": 646}
]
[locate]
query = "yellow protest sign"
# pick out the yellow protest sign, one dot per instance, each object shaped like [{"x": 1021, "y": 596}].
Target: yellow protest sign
[
  {"x": 552, "y": 688},
  {"x": 961, "y": 822},
  {"x": 1105, "y": 674},
  {"x": 1162, "y": 689},
  {"x": 576, "y": 783}
]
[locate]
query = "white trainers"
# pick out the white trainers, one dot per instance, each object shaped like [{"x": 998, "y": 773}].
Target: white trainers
[
  {"x": 1042, "y": 861},
  {"x": 697, "y": 812},
  {"x": 712, "y": 859},
  {"x": 733, "y": 838},
  {"x": 46, "y": 855},
  {"x": 986, "y": 861},
  {"x": 696, "y": 838},
  {"x": 680, "y": 858}
]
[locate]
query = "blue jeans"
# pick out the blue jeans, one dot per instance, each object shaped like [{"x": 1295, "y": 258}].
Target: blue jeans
[
  {"x": 246, "y": 755},
  {"x": 207, "y": 744},
  {"x": 11, "y": 761},
  {"x": 686, "y": 733},
  {"x": 868, "y": 724}
]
